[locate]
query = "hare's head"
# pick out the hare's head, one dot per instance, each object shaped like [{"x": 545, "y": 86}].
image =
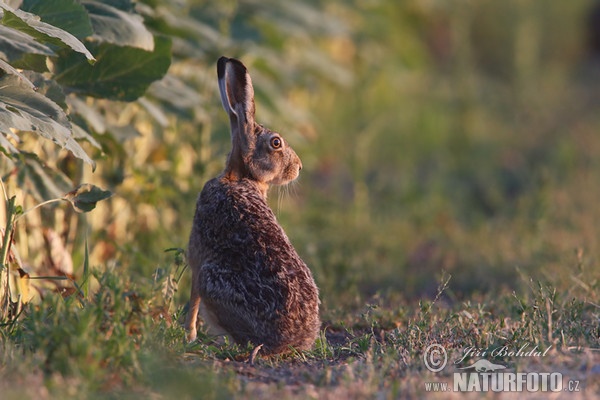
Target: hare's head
[{"x": 257, "y": 153}]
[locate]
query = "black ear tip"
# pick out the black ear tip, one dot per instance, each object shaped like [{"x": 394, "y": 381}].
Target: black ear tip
[
  {"x": 238, "y": 66},
  {"x": 221, "y": 63}
]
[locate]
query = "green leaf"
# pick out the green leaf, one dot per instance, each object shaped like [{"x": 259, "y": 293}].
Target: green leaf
[
  {"x": 17, "y": 45},
  {"x": 41, "y": 31},
  {"x": 120, "y": 73},
  {"x": 85, "y": 197},
  {"x": 118, "y": 27},
  {"x": 23, "y": 109},
  {"x": 69, "y": 15},
  {"x": 32, "y": 62}
]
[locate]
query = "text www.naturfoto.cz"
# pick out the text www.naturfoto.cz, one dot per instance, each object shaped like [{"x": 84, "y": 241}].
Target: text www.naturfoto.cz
[{"x": 505, "y": 382}]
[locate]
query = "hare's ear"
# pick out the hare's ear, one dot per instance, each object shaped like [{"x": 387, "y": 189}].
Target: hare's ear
[{"x": 237, "y": 93}]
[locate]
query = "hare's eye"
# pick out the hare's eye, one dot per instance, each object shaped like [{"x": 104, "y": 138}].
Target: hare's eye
[{"x": 276, "y": 142}]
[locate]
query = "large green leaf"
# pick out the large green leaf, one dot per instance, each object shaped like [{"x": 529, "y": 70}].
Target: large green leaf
[
  {"x": 23, "y": 109},
  {"x": 69, "y": 15},
  {"x": 41, "y": 31},
  {"x": 120, "y": 73},
  {"x": 118, "y": 27},
  {"x": 32, "y": 62},
  {"x": 15, "y": 46},
  {"x": 23, "y": 51}
]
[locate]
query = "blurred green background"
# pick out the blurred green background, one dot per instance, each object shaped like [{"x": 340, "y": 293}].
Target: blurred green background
[
  {"x": 455, "y": 135},
  {"x": 465, "y": 142}
]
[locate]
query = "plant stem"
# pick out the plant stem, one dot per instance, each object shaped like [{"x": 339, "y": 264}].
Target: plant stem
[
  {"x": 6, "y": 242},
  {"x": 10, "y": 218},
  {"x": 38, "y": 206}
]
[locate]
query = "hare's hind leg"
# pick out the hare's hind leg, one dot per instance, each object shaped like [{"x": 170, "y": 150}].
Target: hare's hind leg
[
  {"x": 211, "y": 322},
  {"x": 191, "y": 321}
]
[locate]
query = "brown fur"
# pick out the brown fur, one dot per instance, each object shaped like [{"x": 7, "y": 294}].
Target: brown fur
[{"x": 251, "y": 282}]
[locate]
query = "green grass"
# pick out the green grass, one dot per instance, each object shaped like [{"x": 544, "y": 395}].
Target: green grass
[{"x": 127, "y": 341}]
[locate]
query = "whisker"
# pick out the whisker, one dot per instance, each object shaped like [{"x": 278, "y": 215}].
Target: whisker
[
  {"x": 290, "y": 189},
  {"x": 279, "y": 198},
  {"x": 294, "y": 188}
]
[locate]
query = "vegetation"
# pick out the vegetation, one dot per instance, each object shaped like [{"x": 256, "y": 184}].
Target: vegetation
[{"x": 448, "y": 192}]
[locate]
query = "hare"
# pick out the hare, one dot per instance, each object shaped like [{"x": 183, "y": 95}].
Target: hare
[{"x": 248, "y": 282}]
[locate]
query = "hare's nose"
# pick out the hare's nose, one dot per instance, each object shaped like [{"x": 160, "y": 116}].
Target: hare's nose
[{"x": 299, "y": 165}]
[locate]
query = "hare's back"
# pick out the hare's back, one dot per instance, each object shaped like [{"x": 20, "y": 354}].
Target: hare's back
[{"x": 234, "y": 221}]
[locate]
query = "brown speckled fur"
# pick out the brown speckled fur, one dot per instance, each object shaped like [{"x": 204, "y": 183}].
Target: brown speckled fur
[{"x": 247, "y": 279}]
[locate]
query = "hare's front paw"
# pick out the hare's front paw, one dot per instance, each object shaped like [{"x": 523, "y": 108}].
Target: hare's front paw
[{"x": 191, "y": 335}]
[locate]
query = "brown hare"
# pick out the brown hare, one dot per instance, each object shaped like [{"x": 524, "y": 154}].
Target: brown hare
[{"x": 248, "y": 282}]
